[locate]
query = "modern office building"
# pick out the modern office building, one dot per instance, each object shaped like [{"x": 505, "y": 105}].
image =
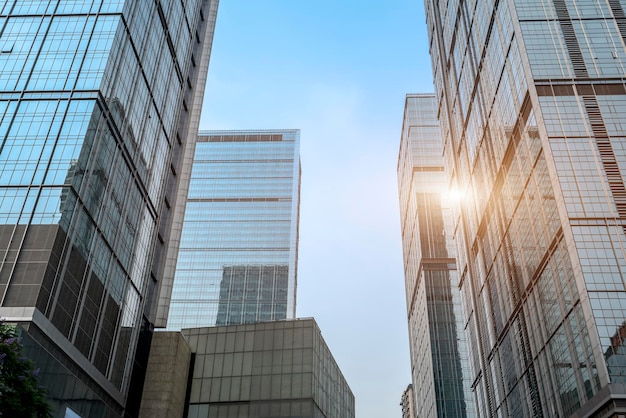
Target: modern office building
[
  {"x": 237, "y": 261},
  {"x": 99, "y": 101},
  {"x": 439, "y": 358},
  {"x": 268, "y": 369},
  {"x": 407, "y": 404},
  {"x": 532, "y": 102}
]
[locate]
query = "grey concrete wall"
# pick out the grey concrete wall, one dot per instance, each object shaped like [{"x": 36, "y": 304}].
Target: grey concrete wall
[{"x": 166, "y": 377}]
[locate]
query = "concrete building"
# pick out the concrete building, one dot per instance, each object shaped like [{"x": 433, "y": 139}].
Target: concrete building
[
  {"x": 238, "y": 254},
  {"x": 263, "y": 370},
  {"x": 167, "y": 376},
  {"x": 531, "y": 99},
  {"x": 99, "y": 101},
  {"x": 407, "y": 404},
  {"x": 439, "y": 356}
]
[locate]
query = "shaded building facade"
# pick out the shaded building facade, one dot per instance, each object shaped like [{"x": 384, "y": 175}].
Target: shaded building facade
[
  {"x": 237, "y": 258},
  {"x": 263, "y": 370},
  {"x": 531, "y": 99},
  {"x": 98, "y": 100},
  {"x": 439, "y": 358}
]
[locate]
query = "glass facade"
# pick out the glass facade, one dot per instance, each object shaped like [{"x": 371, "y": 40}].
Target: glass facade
[
  {"x": 96, "y": 99},
  {"x": 239, "y": 241},
  {"x": 532, "y": 101},
  {"x": 271, "y": 369},
  {"x": 439, "y": 357}
]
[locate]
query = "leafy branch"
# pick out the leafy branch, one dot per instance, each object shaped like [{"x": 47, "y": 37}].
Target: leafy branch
[{"x": 20, "y": 392}]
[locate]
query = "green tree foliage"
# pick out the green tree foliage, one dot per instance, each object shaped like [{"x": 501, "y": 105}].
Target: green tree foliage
[{"x": 20, "y": 393}]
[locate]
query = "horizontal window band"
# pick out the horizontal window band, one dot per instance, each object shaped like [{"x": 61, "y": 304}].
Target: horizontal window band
[
  {"x": 248, "y": 161},
  {"x": 427, "y": 169},
  {"x": 597, "y": 222},
  {"x": 200, "y": 177},
  {"x": 240, "y": 199},
  {"x": 561, "y": 138},
  {"x": 49, "y": 95},
  {"x": 240, "y": 138},
  {"x": 237, "y": 249}
]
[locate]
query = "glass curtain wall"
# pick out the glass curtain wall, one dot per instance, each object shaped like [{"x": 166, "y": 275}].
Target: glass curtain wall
[
  {"x": 92, "y": 108},
  {"x": 439, "y": 358},
  {"x": 532, "y": 102},
  {"x": 237, "y": 261}
]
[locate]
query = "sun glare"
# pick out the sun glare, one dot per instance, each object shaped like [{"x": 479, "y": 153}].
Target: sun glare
[{"x": 454, "y": 195}]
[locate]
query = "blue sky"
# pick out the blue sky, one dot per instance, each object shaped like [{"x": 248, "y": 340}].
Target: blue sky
[{"x": 339, "y": 72}]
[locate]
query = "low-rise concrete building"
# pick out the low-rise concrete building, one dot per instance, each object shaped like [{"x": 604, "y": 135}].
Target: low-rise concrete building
[{"x": 268, "y": 369}]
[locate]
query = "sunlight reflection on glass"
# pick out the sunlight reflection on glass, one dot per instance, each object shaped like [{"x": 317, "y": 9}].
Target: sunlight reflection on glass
[{"x": 453, "y": 196}]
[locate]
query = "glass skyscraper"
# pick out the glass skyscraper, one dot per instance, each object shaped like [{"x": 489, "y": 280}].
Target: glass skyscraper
[
  {"x": 532, "y": 103},
  {"x": 439, "y": 358},
  {"x": 98, "y": 101},
  {"x": 237, "y": 259}
]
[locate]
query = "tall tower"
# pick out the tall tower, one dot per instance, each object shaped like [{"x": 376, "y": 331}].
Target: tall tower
[
  {"x": 531, "y": 98},
  {"x": 237, "y": 261},
  {"x": 98, "y": 101},
  {"x": 441, "y": 380}
]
